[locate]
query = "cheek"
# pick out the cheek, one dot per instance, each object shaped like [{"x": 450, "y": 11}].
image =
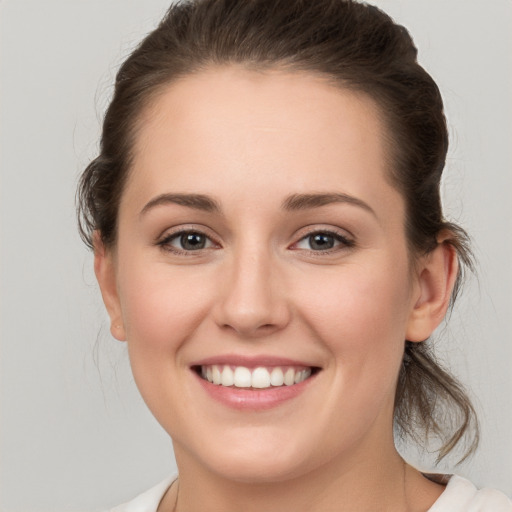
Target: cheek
[
  {"x": 361, "y": 315},
  {"x": 361, "y": 320},
  {"x": 161, "y": 306}
]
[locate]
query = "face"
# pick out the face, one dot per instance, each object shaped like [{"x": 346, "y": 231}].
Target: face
[{"x": 261, "y": 246}]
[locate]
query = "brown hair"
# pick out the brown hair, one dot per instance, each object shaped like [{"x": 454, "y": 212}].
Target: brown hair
[{"x": 356, "y": 46}]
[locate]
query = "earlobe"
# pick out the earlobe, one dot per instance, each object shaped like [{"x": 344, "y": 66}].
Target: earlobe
[
  {"x": 104, "y": 269},
  {"x": 436, "y": 278}
]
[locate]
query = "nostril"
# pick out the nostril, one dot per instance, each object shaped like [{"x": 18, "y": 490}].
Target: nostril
[{"x": 250, "y": 330}]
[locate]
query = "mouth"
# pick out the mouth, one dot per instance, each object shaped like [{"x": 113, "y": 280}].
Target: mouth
[{"x": 256, "y": 378}]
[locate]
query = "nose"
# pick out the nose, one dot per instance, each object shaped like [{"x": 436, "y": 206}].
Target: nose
[{"x": 253, "y": 301}]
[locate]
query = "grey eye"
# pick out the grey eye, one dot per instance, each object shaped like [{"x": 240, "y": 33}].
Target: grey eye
[
  {"x": 186, "y": 241},
  {"x": 321, "y": 241},
  {"x": 192, "y": 241}
]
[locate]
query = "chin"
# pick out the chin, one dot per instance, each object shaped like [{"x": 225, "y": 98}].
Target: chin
[
  {"x": 260, "y": 461},
  {"x": 257, "y": 471}
]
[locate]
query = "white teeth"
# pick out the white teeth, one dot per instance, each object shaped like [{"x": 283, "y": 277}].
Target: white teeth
[
  {"x": 289, "y": 377},
  {"x": 259, "y": 378},
  {"x": 242, "y": 377},
  {"x": 305, "y": 374},
  {"x": 227, "y": 376},
  {"x": 302, "y": 375},
  {"x": 216, "y": 376},
  {"x": 277, "y": 377}
]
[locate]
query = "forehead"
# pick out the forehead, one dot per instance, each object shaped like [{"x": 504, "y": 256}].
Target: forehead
[{"x": 233, "y": 129}]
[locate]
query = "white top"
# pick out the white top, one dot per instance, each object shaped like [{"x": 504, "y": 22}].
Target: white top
[{"x": 460, "y": 495}]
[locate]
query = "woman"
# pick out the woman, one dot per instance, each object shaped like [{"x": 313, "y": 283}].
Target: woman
[{"x": 269, "y": 240}]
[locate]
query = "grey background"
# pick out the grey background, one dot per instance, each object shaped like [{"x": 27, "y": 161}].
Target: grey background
[{"x": 75, "y": 436}]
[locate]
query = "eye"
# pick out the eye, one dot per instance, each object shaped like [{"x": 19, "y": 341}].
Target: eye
[
  {"x": 186, "y": 241},
  {"x": 321, "y": 241}
]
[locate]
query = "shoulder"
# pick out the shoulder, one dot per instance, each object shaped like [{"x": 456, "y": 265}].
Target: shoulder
[
  {"x": 147, "y": 501},
  {"x": 461, "y": 495}
]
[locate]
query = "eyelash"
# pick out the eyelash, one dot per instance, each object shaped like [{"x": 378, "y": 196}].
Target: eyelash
[
  {"x": 344, "y": 242},
  {"x": 165, "y": 243}
]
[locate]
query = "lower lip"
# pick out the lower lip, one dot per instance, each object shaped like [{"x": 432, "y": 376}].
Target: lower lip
[{"x": 254, "y": 399}]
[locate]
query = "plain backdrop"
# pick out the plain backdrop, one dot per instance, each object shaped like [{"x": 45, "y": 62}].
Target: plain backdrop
[{"x": 75, "y": 436}]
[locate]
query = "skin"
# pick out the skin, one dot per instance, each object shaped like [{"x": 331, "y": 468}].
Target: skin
[{"x": 249, "y": 140}]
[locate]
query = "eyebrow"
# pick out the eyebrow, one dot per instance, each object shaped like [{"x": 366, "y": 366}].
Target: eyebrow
[
  {"x": 295, "y": 202},
  {"x": 306, "y": 201},
  {"x": 196, "y": 201}
]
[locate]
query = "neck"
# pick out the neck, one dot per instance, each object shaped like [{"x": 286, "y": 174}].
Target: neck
[{"x": 354, "y": 483}]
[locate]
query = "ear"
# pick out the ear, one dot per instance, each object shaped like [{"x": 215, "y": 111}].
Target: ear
[
  {"x": 436, "y": 275},
  {"x": 104, "y": 269}
]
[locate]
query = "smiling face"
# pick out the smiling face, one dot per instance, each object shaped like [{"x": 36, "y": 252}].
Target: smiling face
[{"x": 258, "y": 230}]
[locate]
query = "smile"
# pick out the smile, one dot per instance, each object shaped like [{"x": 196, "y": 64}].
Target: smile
[{"x": 257, "y": 378}]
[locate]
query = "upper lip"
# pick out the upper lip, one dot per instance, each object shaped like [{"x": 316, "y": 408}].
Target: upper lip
[{"x": 251, "y": 361}]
